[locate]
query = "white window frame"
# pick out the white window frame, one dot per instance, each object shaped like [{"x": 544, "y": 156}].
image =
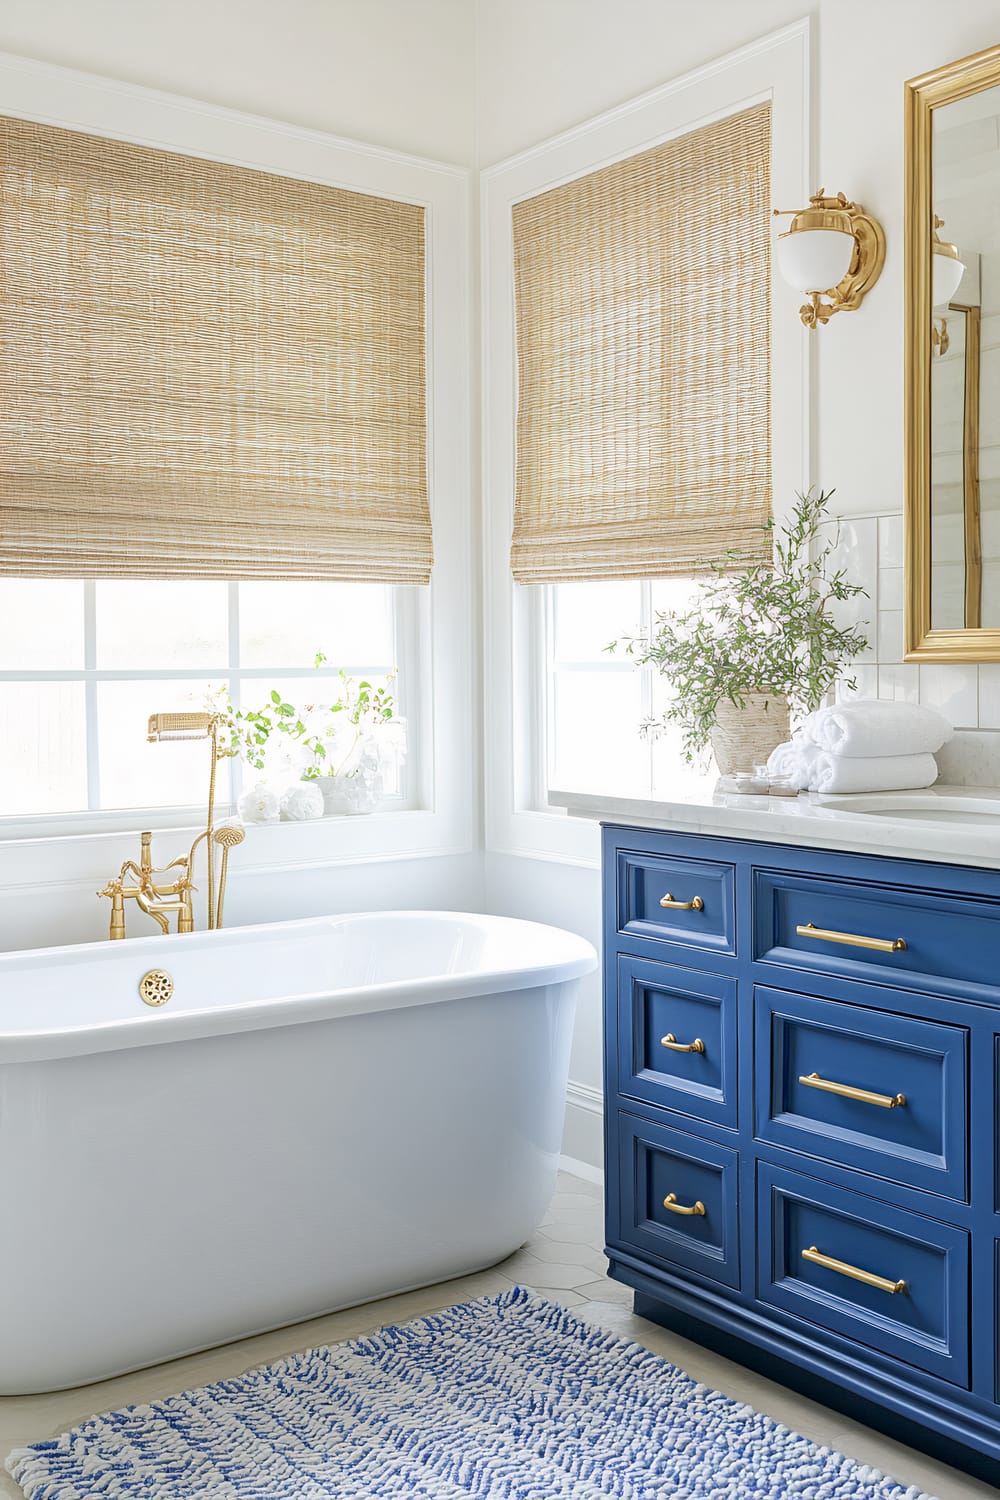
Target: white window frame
[
  {"x": 407, "y": 648},
  {"x": 438, "y": 633},
  {"x": 611, "y": 664},
  {"x": 776, "y": 68}
]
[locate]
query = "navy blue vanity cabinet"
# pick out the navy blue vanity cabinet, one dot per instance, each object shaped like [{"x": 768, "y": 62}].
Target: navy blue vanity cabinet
[{"x": 803, "y": 1121}]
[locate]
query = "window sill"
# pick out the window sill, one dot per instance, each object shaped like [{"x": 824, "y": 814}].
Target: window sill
[{"x": 92, "y": 856}]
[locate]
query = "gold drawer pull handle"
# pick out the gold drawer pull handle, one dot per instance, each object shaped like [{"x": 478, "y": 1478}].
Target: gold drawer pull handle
[
  {"x": 670, "y": 1201},
  {"x": 848, "y": 1091},
  {"x": 852, "y": 939},
  {"x": 673, "y": 1045},
  {"x": 856, "y": 1274},
  {"x": 696, "y": 904}
]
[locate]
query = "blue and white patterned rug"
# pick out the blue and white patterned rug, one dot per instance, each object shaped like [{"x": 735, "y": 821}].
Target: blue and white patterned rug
[{"x": 507, "y": 1398}]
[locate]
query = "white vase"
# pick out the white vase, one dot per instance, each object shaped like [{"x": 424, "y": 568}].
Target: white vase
[{"x": 349, "y": 795}]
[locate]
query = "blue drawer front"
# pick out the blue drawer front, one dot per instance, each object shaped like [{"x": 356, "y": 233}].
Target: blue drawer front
[
  {"x": 944, "y": 937},
  {"x": 921, "y": 1142},
  {"x": 703, "y": 914},
  {"x": 925, "y": 1325},
  {"x": 662, "y": 1008},
  {"x": 656, "y": 1163}
]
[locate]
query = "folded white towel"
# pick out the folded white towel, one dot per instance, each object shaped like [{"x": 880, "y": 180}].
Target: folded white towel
[
  {"x": 877, "y": 727},
  {"x": 809, "y": 768},
  {"x": 872, "y": 773},
  {"x": 795, "y": 759}
]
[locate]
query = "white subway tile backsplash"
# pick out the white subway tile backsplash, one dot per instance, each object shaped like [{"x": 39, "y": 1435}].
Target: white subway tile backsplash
[
  {"x": 890, "y": 588},
  {"x": 890, "y": 541},
  {"x": 890, "y": 636},
  {"x": 989, "y": 695},
  {"x": 871, "y": 551},
  {"x": 865, "y": 680},
  {"x": 900, "y": 682},
  {"x": 953, "y": 687},
  {"x": 857, "y": 553}
]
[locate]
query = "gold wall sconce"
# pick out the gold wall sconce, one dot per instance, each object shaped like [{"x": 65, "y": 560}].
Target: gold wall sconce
[{"x": 833, "y": 253}]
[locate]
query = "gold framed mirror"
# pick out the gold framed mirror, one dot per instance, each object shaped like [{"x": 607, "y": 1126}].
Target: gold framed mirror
[{"x": 953, "y": 362}]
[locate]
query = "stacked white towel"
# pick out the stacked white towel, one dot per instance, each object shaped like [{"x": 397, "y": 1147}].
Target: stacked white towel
[{"x": 866, "y": 745}]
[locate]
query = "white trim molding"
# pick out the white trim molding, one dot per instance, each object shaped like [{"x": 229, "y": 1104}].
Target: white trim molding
[
  {"x": 443, "y": 701},
  {"x": 777, "y": 68},
  {"x": 574, "y": 1167},
  {"x": 585, "y": 1096}
]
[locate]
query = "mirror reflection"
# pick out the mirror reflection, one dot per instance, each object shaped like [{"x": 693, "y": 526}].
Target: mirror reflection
[{"x": 965, "y": 364}]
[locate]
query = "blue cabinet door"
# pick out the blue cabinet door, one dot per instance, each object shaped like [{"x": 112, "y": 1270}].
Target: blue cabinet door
[
  {"x": 671, "y": 898},
  {"x": 890, "y": 1280},
  {"x": 813, "y": 922},
  {"x": 677, "y": 1039},
  {"x": 882, "y": 1092},
  {"x": 677, "y": 1199}
]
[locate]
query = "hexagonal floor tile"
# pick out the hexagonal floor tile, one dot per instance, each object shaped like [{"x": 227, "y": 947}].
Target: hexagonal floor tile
[
  {"x": 560, "y": 1250},
  {"x": 605, "y": 1291},
  {"x": 544, "y": 1274},
  {"x": 573, "y": 1234}
]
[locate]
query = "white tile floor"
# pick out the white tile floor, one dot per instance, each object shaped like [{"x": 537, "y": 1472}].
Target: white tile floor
[{"x": 562, "y": 1261}]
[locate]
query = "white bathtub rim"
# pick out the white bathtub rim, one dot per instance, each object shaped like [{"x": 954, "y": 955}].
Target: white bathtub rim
[{"x": 151, "y": 1027}]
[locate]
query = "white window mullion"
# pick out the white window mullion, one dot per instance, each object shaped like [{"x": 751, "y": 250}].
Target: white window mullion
[
  {"x": 90, "y": 694},
  {"x": 235, "y": 683}
]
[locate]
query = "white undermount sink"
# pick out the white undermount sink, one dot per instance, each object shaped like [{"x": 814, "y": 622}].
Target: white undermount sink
[{"x": 922, "y": 807}]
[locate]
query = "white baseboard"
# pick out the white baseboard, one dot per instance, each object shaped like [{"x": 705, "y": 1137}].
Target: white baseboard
[
  {"x": 585, "y": 1096},
  {"x": 577, "y": 1168},
  {"x": 583, "y": 1134}
]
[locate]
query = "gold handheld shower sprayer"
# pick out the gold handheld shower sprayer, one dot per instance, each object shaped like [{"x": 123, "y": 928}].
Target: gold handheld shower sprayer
[{"x": 159, "y": 899}]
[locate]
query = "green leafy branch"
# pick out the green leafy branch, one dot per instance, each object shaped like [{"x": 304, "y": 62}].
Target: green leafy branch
[{"x": 755, "y": 627}]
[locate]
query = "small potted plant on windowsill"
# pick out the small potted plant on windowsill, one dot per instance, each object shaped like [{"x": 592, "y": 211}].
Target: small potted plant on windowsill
[
  {"x": 335, "y": 755},
  {"x": 757, "y": 641},
  {"x": 351, "y": 744}
]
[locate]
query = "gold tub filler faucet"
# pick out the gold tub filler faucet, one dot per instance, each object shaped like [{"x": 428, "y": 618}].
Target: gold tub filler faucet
[{"x": 163, "y": 892}]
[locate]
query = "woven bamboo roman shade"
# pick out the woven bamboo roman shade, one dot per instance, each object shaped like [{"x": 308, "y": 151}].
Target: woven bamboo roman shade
[
  {"x": 642, "y": 311},
  {"x": 205, "y": 371}
]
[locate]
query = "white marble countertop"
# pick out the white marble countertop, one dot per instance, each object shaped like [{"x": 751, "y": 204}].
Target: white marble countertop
[{"x": 822, "y": 822}]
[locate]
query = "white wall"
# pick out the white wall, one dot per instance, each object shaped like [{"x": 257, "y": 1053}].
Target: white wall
[
  {"x": 547, "y": 65},
  {"x": 396, "y": 73}
]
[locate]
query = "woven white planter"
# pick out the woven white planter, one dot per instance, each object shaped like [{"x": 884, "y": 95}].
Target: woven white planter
[{"x": 744, "y": 737}]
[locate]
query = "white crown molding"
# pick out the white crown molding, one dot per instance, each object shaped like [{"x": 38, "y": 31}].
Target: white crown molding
[{"x": 73, "y": 99}]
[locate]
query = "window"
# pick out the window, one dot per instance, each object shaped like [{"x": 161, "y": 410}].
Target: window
[
  {"x": 530, "y": 734},
  {"x": 83, "y": 664},
  {"x": 596, "y": 701}
]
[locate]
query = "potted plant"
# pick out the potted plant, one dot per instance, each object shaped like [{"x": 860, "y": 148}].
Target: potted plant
[
  {"x": 757, "y": 641},
  {"x": 340, "y": 750},
  {"x": 351, "y": 743}
]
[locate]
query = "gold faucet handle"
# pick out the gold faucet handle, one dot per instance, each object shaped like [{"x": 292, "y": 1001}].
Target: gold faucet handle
[{"x": 112, "y": 889}]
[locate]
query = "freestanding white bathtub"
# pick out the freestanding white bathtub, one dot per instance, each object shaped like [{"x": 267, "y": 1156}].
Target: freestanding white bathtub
[{"x": 324, "y": 1112}]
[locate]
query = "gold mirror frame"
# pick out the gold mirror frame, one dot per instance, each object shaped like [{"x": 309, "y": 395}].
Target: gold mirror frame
[{"x": 922, "y": 97}]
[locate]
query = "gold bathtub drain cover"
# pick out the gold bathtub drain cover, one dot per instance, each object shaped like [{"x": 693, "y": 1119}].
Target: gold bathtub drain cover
[{"x": 156, "y": 987}]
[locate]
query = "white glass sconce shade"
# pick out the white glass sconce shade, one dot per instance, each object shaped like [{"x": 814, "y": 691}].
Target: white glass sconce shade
[
  {"x": 815, "y": 260},
  {"x": 946, "y": 276},
  {"x": 833, "y": 253}
]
